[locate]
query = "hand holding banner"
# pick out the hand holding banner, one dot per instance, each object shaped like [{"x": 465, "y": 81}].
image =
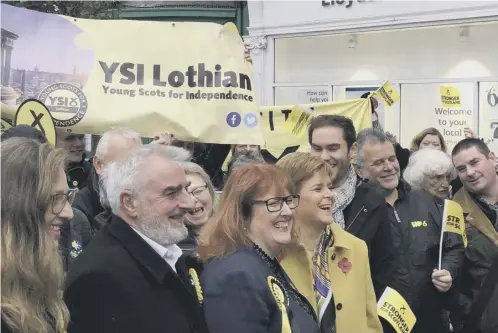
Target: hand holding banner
[
  {"x": 393, "y": 308},
  {"x": 388, "y": 94}
]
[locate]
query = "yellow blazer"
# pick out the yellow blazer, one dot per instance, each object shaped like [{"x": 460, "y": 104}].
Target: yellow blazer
[{"x": 356, "y": 306}]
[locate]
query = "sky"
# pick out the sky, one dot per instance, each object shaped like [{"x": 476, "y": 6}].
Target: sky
[{"x": 45, "y": 40}]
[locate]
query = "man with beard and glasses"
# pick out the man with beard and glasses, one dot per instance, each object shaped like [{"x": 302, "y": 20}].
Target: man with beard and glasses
[
  {"x": 132, "y": 277},
  {"x": 415, "y": 219},
  {"x": 476, "y": 167},
  {"x": 357, "y": 208}
]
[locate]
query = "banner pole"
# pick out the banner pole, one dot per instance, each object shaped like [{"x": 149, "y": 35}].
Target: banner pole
[{"x": 443, "y": 226}]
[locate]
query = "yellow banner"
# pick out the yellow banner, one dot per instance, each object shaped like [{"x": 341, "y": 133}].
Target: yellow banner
[
  {"x": 393, "y": 308},
  {"x": 186, "y": 78},
  {"x": 273, "y": 119},
  {"x": 453, "y": 220},
  {"x": 278, "y": 134},
  {"x": 450, "y": 96},
  {"x": 388, "y": 94},
  {"x": 298, "y": 121}
]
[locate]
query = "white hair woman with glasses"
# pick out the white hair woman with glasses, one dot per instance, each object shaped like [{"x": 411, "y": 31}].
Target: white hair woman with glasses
[
  {"x": 202, "y": 190},
  {"x": 432, "y": 171}
]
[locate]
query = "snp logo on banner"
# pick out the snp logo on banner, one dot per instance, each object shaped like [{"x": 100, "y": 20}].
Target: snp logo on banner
[{"x": 418, "y": 224}]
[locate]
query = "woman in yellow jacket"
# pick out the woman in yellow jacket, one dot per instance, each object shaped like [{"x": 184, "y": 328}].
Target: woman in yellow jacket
[{"x": 329, "y": 266}]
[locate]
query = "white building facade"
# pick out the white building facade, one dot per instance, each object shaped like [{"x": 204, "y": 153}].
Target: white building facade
[{"x": 316, "y": 51}]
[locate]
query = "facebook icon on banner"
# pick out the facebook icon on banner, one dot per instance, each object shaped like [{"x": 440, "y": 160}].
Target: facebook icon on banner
[{"x": 233, "y": 119}]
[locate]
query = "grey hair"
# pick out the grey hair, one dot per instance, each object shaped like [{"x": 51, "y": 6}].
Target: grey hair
[
  {"x": 125, "y": 173},
  {"x": 192, "y": 168},
  {"x": 426, "y": 163},
  {"x": 242, "y": 158},
  {"x": 103, "y": 144},
  {"x": 367, "y": 136}
]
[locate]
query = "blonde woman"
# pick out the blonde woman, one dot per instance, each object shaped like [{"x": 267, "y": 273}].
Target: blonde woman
[
  {"x": 36, "y": 201},
  {"x": 329, "y": 267}
]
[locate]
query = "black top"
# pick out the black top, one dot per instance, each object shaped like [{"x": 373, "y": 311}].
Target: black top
[
  {"x": 120, "y": 284},
  {"x": 416, "y": 221},
  {"x": 238, "y": 298},
  {"x": 366, "y": 217}
]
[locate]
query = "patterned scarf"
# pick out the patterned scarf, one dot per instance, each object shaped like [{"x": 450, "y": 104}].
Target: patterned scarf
[
  {"x": 321, "y": 276},
  {"x": 344, "y": 196}
]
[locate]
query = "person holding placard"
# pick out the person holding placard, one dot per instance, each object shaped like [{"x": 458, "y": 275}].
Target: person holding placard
[
  {"x": 476, "y": 167},
  {"x": 416, "y": 221}
]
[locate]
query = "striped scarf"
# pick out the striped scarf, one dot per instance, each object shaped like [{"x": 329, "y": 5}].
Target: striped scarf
[{"x": 321, "y": 276}]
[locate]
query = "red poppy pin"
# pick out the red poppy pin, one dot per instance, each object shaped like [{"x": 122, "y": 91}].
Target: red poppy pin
[{"x": 345, "y": 265}]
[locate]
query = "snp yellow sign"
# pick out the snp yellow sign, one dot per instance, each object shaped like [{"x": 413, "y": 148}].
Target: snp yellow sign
[
  {"x": 450, "y": 96},
  {"x": 5, "y": 125},
  {"x": 393, "y": 308},
  {"x": 35, "y": 114}
]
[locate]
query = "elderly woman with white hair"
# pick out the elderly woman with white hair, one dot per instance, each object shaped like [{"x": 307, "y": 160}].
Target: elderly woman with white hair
[{"x": 431, "y": 170}]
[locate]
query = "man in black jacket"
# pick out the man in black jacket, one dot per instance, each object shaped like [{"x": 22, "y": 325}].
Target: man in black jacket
[
  {"x": 475, "y": 165},
  {"x": 358, "y": 208},
  {"x": 132, "y": 277},
  {"x": 416, "y": 222}
]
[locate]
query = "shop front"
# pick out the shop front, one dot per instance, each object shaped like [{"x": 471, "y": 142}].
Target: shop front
[{"x": 317, "y": 51}]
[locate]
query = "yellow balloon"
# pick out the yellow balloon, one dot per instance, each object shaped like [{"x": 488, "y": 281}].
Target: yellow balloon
[{"x": 35, "y": 114}]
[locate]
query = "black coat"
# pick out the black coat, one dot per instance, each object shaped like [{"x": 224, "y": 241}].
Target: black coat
[
  {"x": 75, "y": 236},
  {"x": 87, "y": 200},
  {"x": 238, "y": 299},
  {"x": 77, "y": 173},
  {"x": 120, "y": 284},
  {"x": 366, "y": 217},
  {"x": 416, "y": 222}
]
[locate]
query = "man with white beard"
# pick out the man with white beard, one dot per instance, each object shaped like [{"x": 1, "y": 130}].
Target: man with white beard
[{"x": 132, "y": 277}]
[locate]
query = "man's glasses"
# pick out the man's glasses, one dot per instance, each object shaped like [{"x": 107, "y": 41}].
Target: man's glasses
[
  {"x": 276, "y": 204},
  {"x": 196, "y": 192},
  {"x": 59, "y": 200}
]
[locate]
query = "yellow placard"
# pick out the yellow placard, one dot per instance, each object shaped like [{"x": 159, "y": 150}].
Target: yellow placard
[
  {"x": 387, "y": 93},
  {"x": 450, "y": 96},
  {"x": 393, "y": 308},
  {"x": 298, "y": 121},
  {"x": 5, "y": 125},
  {"x": 35, "y": 114},
  {"x": 186, "y": 78},
  {"x": 453, "y": 219}
]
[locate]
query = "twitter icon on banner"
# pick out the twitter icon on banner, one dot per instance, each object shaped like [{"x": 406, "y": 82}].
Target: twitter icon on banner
[{"x": 251, "y": 120}]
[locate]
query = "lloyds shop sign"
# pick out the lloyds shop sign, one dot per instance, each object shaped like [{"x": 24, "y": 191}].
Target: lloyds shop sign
[{"x": 339, "y": 3}]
